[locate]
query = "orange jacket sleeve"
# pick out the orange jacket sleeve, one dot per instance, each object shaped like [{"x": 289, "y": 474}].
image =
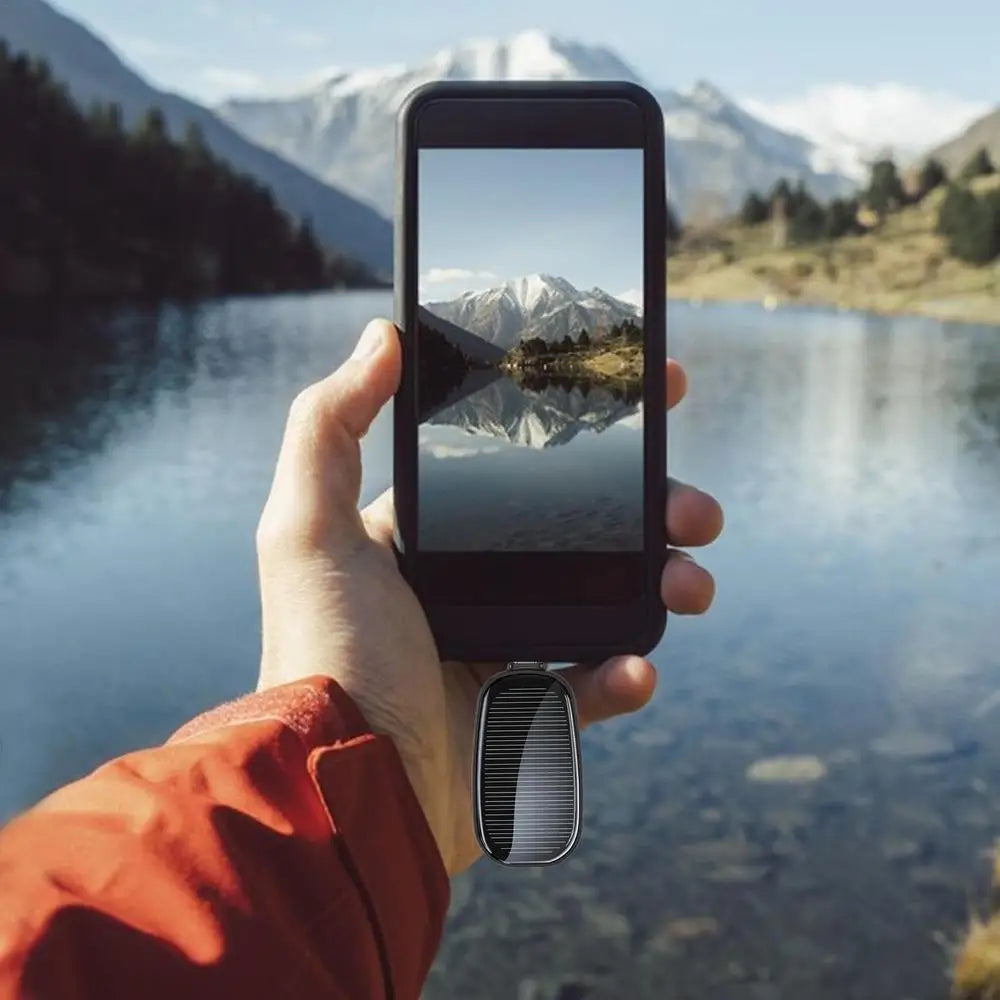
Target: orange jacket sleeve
[{"x": 272, "y": 848}]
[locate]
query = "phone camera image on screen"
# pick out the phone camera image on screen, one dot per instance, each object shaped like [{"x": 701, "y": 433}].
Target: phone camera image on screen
[{"x": 529, "y": 341}]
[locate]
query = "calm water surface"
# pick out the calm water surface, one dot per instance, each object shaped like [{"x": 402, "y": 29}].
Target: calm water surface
[
  {"x": 856, "y": 622},
  {"x": 556, "y": 466}
]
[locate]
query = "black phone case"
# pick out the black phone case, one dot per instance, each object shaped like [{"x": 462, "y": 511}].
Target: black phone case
[{"x": 493, "y": 644}]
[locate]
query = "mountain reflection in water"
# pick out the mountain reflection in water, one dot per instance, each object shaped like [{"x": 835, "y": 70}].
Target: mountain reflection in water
[
  {"x": 538, "y": 411},
  {"x": 492, "y": 478}
]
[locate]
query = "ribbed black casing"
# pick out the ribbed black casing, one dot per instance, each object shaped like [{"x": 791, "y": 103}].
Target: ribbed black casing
[{"x": 527, "y": 772}]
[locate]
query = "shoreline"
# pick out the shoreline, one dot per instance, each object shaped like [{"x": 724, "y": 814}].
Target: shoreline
[
  {"x": 903, "y": 267},
  {"x": 958, "y": 312}
]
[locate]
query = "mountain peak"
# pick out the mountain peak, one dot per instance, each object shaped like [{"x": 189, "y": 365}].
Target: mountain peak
[
  {"x": 531, "y": 54},
  {"x": 534, "y": 290},
  {"x": 708, "y": 95}
]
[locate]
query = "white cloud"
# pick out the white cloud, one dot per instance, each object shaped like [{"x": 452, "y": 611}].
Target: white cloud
[
  {"x": 441, "y": 275},
  {"x": 226, "y": 82},
  {"x": 450, "y": 451},
  {"x": 450, "y": 282},
  {"x": 851, "y": 122}
]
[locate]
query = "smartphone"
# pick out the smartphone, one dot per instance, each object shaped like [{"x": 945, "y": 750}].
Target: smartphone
[{"x": 529, "y": 426}]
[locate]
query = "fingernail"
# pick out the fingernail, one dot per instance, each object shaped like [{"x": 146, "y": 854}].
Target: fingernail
[{"x": 370, "y": 342}]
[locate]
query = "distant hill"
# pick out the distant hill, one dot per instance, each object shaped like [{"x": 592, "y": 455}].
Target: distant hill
[
  {"x": 468, "y": 343},
  {"x": 93, "y": 73},
  {"x": 903, "y": 268},
  {"x": 985, "y": 131}
]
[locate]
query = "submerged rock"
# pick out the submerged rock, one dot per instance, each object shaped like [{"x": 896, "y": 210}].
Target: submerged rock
[
  {"x": 605, "y": 922},
  {"x": 915, "y": 746},
  {"x": 721, "y": 852},
  {"x": 936, "y": 878},
  {"x": 902, "y": 850},
  {"x": 738, "y": 874},
  {"x": 796, "y": 770},
  {"x": 690, "y": 928}
]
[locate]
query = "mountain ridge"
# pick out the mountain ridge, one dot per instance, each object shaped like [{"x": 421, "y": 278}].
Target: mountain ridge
[
  {"x": 93, "y": 72},
  {"x": 342, "y": 130},
  {"x": 535, "y": 305}
]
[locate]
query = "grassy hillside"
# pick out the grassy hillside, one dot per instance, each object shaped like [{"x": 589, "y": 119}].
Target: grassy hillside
[
  {"x": 617, "y": 355},
  {"x": 902, "y": 268},
  {"x": 984, "y": 133}
]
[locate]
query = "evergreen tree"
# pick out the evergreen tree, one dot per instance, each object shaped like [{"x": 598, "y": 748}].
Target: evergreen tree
[
  {"x": 807, "y": 219},
  {"x": 755, "y": 210},
  {"x": 152, "y": 128},
  {"x": 799, "y": 199},
  {"x": 307, "y": 258},
  {"x": 978, "y": 165},
  {"x": 100, "y": 208},
  {"x": 932, "y": 175},
  {"x": 584, "y": 339},
  {"x": 196, "y": 152},
  {"x": 105, "y": 121},
  {"x": 841, "y": 218},
  {"x": 632, "y": 331},
  {"x": 885, "y": 191},
  {"x": 957, "y": 211},
  {"x": 975, "y": 234},
  {"x": 782, "y": 190}
]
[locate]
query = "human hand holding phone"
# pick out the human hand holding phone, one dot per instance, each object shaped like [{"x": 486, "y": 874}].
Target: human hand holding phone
[{"x": 334, "y": 601}]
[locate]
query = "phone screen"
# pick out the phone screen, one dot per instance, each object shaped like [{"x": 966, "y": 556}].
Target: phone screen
[{"x": 530, "y": 350}]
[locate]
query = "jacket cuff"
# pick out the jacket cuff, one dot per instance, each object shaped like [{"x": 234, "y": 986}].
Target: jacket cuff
[{"x": 380, "y": 830}]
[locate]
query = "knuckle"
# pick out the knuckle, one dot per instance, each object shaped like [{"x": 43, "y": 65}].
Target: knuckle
[
  {"x": 295, "y": 530},
  {"x": 269, "y": 535},
  {"x": 306, "y": 410}
]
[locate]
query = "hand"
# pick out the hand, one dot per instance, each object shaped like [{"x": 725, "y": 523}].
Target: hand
[{"x": 334, "y": 602}]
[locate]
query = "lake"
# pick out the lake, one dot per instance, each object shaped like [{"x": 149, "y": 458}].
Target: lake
[{"x": 858, "y": 459}]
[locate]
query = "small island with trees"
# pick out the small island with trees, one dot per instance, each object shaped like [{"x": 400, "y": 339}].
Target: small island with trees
[{"x": 611, "y": 357}]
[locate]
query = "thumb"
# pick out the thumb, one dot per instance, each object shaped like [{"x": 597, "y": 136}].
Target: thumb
[{"x": 317, "y": 480}]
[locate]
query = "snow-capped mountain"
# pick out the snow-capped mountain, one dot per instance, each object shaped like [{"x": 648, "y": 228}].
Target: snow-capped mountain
[
  {"x": 343, "y": 129},
  {"x": 92, "y": 72},
  {"x": 538, "y": 305},
  {"x": 535, "y": 419}
]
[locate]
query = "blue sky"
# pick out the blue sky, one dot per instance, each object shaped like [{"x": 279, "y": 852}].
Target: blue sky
[
  {"x": 750, "y": 48},
  {"x": 497, "y": 214}
]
